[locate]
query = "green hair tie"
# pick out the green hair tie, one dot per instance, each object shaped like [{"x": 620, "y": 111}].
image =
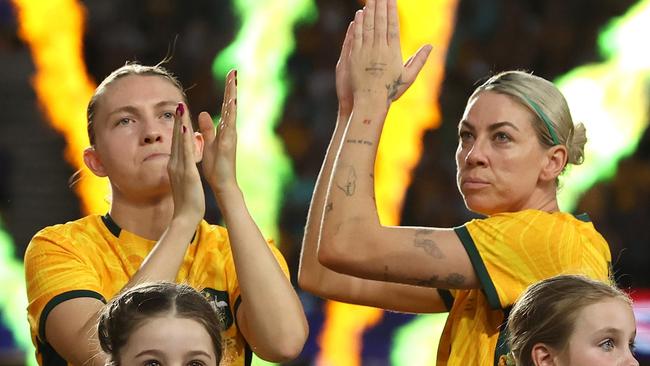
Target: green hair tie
[{"x": 545, "y": 119}]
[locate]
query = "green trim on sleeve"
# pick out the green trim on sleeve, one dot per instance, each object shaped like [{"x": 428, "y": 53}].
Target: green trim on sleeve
[
  {"x": 477, "y": 262},
  {"x": 502, "y": 341},
  {"x": 235, "y": 309},
  {"x": 58, "y": 299},
  {"x": 447, "y": 298}
]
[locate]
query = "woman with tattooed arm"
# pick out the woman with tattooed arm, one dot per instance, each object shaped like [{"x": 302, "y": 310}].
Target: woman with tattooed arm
[{"x": 515, "y": 138}]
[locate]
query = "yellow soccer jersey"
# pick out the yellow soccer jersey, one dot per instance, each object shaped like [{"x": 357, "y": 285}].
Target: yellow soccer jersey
[
  {"x": 93, "y": 257},
  {"x": 509, "y": 252}
]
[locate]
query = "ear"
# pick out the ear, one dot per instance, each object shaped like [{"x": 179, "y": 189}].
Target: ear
[
  {"x": 199, "y": 143},
  {"x": 556, "y": 160},
  {"x": 93, "y": 162},
  {"x": 542, "y": 355}
]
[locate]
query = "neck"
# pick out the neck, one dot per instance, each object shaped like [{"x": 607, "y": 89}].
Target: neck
[{"x": 145, "y": 218}]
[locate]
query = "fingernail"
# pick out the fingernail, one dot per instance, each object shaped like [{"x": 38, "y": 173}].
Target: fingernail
[
  {"x": 180, "y": 110},
  {"x": 184, "y": 128}
]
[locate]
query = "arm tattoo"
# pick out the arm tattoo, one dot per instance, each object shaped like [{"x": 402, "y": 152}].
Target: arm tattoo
[
  {"x": 429, "y": 246},
  {"x": 431, "y": 282},
  {"x": 358, "y": 141},
  {"x": 394, "y": 88},
  {"x": 455, "y": 280},
  {"x": 350, "y": 184}
]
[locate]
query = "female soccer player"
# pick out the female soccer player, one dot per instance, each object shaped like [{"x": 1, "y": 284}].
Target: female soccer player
[
  {"x": 515, "y": 138},
  {"x": 142, "y": 139}
]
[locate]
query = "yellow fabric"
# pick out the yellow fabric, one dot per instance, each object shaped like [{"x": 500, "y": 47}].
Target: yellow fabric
[
  {"x": 509, "y": 252},
  {"x": 85, "y": 257}
]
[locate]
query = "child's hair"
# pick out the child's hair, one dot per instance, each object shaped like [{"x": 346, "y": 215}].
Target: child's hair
[
  {"x": 547, "y": 310},
  {"x": 128, "y": 310},
  {"x": 130, "y": 68}
]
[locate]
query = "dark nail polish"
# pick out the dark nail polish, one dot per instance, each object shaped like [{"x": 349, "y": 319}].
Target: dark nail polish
[{"x": 180, "y": 110}]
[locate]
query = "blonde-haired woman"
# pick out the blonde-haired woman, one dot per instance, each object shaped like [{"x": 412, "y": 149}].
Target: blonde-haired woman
[{"x": 515, "y": 138}]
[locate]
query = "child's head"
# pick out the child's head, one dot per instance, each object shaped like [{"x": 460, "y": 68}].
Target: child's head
[
  {"x": 160, "y": 324},
  {"x": 572, "y": 320}
]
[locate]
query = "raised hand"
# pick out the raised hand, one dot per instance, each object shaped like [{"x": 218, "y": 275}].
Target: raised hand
[
  {"x": 187, "y": 191},
  {"x": 376, "y": 58},
  {"x": 219, "y": 153},
  {"x": 343, "y": 78}
]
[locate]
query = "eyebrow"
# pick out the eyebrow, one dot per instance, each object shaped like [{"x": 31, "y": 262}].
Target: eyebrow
[
  {"x": 134, "y": 110},
  {"x": 492, "y": 127},
  {"x": 154, "y": 352},
  {"x": 199, "y": 353}
]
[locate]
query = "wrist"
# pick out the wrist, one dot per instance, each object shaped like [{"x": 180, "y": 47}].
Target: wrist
[{"x": 227, "y": 190}]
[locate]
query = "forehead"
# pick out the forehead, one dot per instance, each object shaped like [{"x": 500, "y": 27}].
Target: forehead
[
  {"x": 137, "y": 90},
  {"x": 611, "y": 313},
  {"x": 489, "y": 107},
  {"x": 169, "y": 333}
]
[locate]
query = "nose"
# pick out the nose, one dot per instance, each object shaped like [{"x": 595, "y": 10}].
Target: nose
[
  {"x": 152, "y": 133},
  {"x": 476, "y": 154},
  {"x": 630, "y": 360}
]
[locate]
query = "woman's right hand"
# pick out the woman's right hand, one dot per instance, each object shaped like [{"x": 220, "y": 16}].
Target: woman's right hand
[
  {"x": 343, "y": 77},
  {"x": 187, "y": 191},
  {"x": 376, "y": 67}
]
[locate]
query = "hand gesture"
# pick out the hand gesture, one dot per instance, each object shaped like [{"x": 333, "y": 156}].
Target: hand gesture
[
  {"x": 187, "y": 191},
  {"x": 343, "y": 81},
  {"x": 376, "y": 58},
  {"x": 219, "y": 152}
]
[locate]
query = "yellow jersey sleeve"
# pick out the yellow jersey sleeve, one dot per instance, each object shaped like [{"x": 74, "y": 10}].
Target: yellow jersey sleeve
[
  {"x": 510, "y": 251},
  {"x": 54, "y": 273}
]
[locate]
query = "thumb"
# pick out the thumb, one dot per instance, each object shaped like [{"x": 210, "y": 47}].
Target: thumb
[
  {"x": 415, "y": 63},
  {"x": 206, "y": 127}
]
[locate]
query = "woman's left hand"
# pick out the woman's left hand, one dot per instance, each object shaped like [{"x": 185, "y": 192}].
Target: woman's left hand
[{"x": 219, "y": 153}]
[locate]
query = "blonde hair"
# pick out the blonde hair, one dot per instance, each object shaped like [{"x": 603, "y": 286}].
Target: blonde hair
[
  {"x": 553, "y": 122},
  {"x": 547, "y": 310}
]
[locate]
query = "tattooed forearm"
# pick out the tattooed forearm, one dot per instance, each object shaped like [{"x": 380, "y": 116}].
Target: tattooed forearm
[
  {"x": 429, "y": 246},
  {"x": 359, "y": 141},
  {"x": 431, "y": 282},
  {"x": 394, "y": 87},
  {"x": 349, "y": 184},
  {"x": 455, "y": 280}
]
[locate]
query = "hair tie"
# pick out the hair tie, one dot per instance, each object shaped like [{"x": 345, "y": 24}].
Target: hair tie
[{"x": 545, "y": 119}]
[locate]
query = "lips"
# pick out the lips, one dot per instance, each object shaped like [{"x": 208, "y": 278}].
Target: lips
[
  {"x": 155, "y": 156},
  {"x": 473, "y": 183}
]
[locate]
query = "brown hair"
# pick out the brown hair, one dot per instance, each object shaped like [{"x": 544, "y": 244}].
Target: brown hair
[
  {"x": 131, "y": 308},
  {"x": 130, "y": 68},
  {"x": 547, "y": 310},
  {"x": 546, "y": 102}
]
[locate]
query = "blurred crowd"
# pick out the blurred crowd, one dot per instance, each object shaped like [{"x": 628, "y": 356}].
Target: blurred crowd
[{"x": 547, "y": 37}]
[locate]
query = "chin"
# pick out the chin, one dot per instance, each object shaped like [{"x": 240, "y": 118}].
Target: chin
[{"x": 481, "y": 205}]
